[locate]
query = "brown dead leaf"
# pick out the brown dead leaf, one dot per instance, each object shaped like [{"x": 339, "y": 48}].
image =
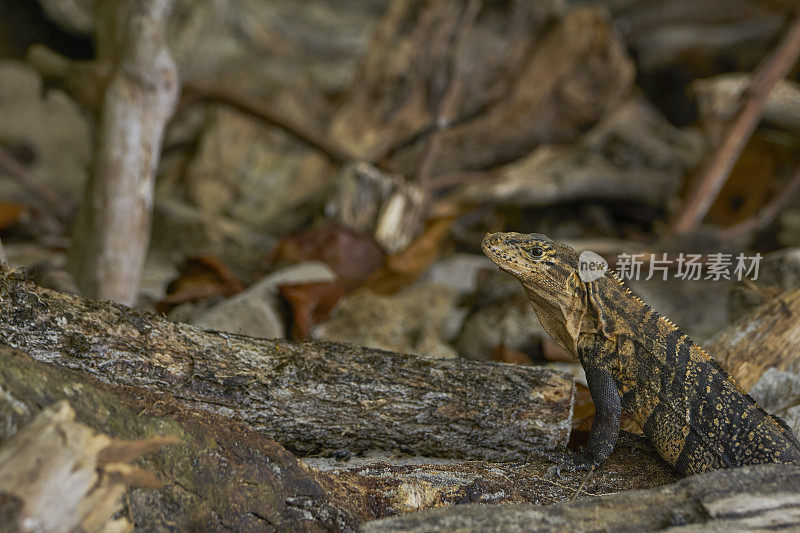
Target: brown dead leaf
[
  {"x": 504, "y": 354},
  {"x": 9, "y": 214},
  {"x": 403, "y": 268},
  {"x": 353, "y": 256},
  {"x": 199, "y": 278},
  {"x": 310, "y": 303}
]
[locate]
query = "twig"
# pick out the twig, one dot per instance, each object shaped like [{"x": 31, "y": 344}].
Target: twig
[
  {"x": 767, "y": 213},
  {"x": 3, "y": 257},
  {"x": 775, "y": 67},
  {"x": 262, "y": 111},
  {"x": 583, "y": 483},
  {"x": 452, "y": 91},
  {"x": 24, "y": 177}
]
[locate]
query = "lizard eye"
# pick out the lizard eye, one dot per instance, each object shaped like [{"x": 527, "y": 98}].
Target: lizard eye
[{"x": 537, "y": 251}]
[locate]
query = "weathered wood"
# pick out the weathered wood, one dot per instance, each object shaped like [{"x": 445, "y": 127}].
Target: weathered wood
[
  {"x": 311, "y": 397},
  {"x": 221, "y": 476},
  {"x": 744, "y": 499},
  {"x": 224, "y": 475},
  {"x": 54, "y": 469},
  {"x": 768, "y": 337}
]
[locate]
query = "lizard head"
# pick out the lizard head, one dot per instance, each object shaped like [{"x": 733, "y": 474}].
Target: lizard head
[{"x": 548, "y": 270}]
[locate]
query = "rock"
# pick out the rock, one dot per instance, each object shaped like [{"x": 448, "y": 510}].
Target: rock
[
  {"x": 254, "y": 174},
  {"x": 633, "y": 154},
  {"x": 421, "y": 319},
  {"x": 402, "y": 79},
  {"x": 778, "y": 391},
  {"x": 511, "y": 321},
  {"x": 386, "y": 206},
  {"x": 255, "y": 312},
  {"x": 47, "y": 133},
  {"x": 459, "y": 271},
  {"x": 181, "y": 230}
]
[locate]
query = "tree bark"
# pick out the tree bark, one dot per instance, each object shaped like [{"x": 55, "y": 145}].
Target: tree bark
[
  {"x": 222, "y": 475},
  {"x": 756, "y": 497},
  {"x": 113, "y": 228},
  {"x": 312, "y": 397}
]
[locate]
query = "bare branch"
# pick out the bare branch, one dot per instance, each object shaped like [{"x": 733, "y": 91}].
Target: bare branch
[{"x": 775, "y": 67}]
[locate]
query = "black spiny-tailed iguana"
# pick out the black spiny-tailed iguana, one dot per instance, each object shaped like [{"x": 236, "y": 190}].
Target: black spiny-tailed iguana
[{"x": 696, "y": 416}]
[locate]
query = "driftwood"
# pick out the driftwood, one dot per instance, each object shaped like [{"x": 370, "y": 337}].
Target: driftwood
[
  {"x": 766, "y": 338},
  {"x": 743, "y": 499},
  {"x": 311, "y": 397},
  {"x": 58, "y": 475}
]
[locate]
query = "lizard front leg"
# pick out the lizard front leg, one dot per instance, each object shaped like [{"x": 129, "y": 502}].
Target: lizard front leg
[{"x": 605, "y": 428}]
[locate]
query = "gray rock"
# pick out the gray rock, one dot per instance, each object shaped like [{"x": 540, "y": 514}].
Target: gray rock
[
  {"x": 778, "y": 391},
  {"x": 255, "y": 312},
  {"x": 510, "y": 321},
  {"x": 459, "y": 271},
  {"x": 255, "y": 174},
  {"x": 180, "y": 230},
  {"x": 48, "y": 129},
  {"x": 419, "y": 319},
  {"x": 632, "y": 154}
]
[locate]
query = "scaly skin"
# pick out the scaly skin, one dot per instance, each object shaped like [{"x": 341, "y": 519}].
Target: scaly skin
[{"x": 696, "y": 416}]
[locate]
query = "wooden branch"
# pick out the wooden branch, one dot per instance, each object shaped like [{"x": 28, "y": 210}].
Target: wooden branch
[
  {"x": 224, "y": 475},
  {"x": 742, "y": 499},
  {"x": 312, "y": 397},
  {"x": 716, "y": 172},
  {"x": 263, "y": 111},
  {"x": 447, "y": 105},
  {"x": 113, "y": 227}
]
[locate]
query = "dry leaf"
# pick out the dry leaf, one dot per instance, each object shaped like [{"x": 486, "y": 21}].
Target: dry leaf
[
  {"x": 311, "y": 303},
  {"x": 199, "y": 278},
  {"x": 504, "y": 354},
  {"x": 352, "y": 255}
]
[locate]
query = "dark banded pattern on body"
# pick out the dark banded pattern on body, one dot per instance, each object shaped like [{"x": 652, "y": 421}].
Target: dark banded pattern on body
[{"x": 695, "y": 415}]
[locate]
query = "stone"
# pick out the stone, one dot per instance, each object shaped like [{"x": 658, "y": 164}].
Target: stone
[
  {"x": 777, "y": 272},
  {"x": 420, "y": 319},
  {"x": 459, "y": 271},
  {"x": 256, "y": 310},
  {"x": 254, "y": 174},
  {"x": 46, "y": 131}
]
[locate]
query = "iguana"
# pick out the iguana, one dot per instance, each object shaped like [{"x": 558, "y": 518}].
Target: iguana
[{"x": 693, "y": 413}]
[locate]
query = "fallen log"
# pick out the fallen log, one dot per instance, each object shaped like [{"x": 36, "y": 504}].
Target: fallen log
[
  {"x": 743, "y": 499},
  {"x": 223, "y": 475},
  {"x": 220, "y": 476},
  {"x": 311, "y": 397}
]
